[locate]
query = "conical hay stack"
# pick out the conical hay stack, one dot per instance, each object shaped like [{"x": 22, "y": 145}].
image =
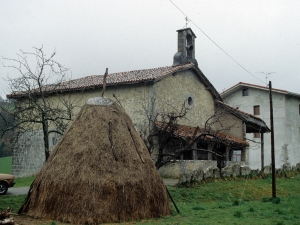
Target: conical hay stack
[{"x": 99, "y": 172}]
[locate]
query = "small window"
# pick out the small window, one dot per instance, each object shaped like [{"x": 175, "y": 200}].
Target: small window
[
  {"x": 299, "y": 109},
  {"x": 190, "y": 101},
  {"x": 256, "y": 135},
  {"x": 256, "y": 110},
  {"x": 245, "y": 92},
  {"x": 54, "y": 141}
]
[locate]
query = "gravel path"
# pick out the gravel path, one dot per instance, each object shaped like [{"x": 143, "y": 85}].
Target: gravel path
[
  {"x": 17, "y": 191},
  {"x": 24, "y": 190},
  {"x": 171, "y": 182}
]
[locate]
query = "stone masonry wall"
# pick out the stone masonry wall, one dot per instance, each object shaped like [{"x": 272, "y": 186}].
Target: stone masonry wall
[
  {"x": 29, "y": 155},
  {"x": 233, "y": 170},
  {"x": 176, "y": 168}
]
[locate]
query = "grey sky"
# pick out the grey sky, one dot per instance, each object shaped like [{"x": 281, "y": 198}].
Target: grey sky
[{"x": 262, "y": 35}]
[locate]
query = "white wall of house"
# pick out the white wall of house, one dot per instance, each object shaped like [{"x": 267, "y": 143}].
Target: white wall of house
[
  {"x": 291, "y": 152},
  {"x": 286, "y": 125}
]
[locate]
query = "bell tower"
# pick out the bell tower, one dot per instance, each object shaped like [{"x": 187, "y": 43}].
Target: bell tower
[{"x": 186, "y": 47}]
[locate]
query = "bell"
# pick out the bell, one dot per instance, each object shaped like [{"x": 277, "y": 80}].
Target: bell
[{"x": 189, "y": 47}]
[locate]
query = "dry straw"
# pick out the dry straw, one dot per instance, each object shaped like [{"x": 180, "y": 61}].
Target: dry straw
[{"x": 99, "y": 172}]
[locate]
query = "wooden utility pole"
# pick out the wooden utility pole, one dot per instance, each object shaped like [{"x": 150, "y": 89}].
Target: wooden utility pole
[
  {"x": 262, "y": 151},
  {"x": 272, "y": 143}
]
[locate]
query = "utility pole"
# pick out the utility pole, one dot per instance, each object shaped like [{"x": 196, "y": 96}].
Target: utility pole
[
  {"x": 272, "y": 142},
  {"x": 262, "y": 151}
]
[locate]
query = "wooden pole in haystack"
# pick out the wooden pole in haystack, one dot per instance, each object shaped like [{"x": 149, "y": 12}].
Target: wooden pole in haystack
[{"x": 104, "y": 82}]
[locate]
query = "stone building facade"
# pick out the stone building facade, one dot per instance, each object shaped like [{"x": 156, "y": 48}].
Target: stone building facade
[{"x": 142, "y": 93}]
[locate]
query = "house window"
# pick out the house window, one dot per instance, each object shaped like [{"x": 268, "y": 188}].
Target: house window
[
  {"x": 245, "y": 92},
  {"x": 256, "y": 135},
  {"x": 236, "y": 155},
  {"x": 256, "y": 110}
]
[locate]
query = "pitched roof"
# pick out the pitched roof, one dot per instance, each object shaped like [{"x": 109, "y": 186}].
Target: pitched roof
[
  {"x": 243, "y": 84},
  {"x": 253, "y": 123},
  {"x": 183, "y": 131},
  {"x": 123, "y": 78}
]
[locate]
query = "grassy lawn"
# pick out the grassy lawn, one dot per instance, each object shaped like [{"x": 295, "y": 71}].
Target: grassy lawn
[
  {"x": 5, "y": 167},
  {"x": 5, "y": 164},
  {"x": 238, "y": 201},
  {"x": 24, "y": 181}
]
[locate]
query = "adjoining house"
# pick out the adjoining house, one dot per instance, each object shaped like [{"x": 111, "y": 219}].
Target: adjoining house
[
  {"x": 148, "y": 92},
  {"x": 254, "y": 99}
]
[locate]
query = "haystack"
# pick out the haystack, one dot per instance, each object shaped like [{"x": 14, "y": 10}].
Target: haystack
[{"x": 99, "y": 172}]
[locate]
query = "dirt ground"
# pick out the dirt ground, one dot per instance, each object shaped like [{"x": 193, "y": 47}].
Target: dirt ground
[{"x": 25, "y": 220}]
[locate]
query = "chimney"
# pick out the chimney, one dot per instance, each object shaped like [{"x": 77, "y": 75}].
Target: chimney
[{"x": 186, "y": 47}]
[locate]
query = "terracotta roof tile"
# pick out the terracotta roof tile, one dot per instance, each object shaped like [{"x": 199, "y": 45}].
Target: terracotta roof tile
[
  {"x": 121, "y": 78},
  {"x": 129, "y": 77},
  {"x": 254, "y": 86},
  {"x": 244, "y": 115},
  {"x": 238, "y": 110},
  {"x": 188, "y": 132}
]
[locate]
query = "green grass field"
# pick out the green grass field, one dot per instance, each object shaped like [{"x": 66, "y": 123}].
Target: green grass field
[
  {"x": 238, "y": 201},
  {"x": 5, "y": 167},
  {"x": 24, "y": 181},
  {"x": 5, "y": 164}
]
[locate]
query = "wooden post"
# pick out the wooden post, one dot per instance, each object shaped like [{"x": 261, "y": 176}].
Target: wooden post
[
  {"x": 272, "y": 143},
  {"x": 227, "y": 156},
  {"x": 209, "y": 154},
  {"x": 195, "y": 156},
  {"x": 104, "y": 82},
  {"x": 262, "y": 151}
]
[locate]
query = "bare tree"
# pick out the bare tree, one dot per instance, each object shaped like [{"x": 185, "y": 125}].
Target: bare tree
[
  {"x": 6, "y": 120},
  {"x": 163, "y": 132},
  {"x": 40, "y": 77}
]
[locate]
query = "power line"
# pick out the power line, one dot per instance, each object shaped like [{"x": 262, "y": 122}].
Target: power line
[{"x": 216, "y": 43}]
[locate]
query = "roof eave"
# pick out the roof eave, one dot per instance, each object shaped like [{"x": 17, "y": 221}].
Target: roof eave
[{"x": 242, "y": 84}]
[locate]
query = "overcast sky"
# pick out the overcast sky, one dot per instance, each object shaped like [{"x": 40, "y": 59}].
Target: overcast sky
[{"x": 123, "y": 35}]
